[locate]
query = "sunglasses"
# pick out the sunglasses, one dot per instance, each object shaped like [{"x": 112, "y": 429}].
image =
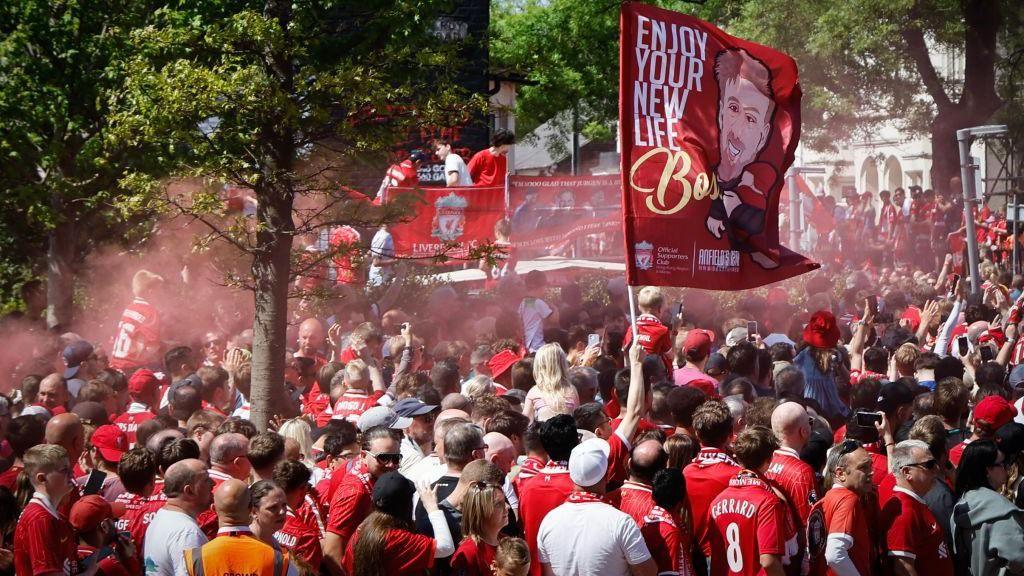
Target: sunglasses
[
  {"x": 848, "y": 446},
  {"x": 387, "y": 457},
  {"x": 481, "y": 486},
  {"x": 926, "y": 465}
]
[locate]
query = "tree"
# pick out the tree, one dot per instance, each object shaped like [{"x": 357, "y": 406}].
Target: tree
[
  {"x": 862, "y": 63},
  {"x": 61, "y": 64},
  {"x": 282, "y": 98}
]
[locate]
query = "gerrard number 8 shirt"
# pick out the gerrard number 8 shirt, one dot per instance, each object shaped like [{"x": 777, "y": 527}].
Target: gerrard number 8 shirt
[{"x": 746, "y": 520}]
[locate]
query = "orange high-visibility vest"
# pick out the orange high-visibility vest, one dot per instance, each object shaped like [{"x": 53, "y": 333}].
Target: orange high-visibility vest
[{"x": 236, "y": 554}]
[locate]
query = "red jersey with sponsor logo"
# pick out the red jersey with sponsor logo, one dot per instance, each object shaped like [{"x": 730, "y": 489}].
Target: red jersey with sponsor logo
[
  {"x": 842, "y": 513},
  {"x": 706, "y": 477},
  {"x": 45, "y": 541},
  {"x": 351, "y": 503},
  {"x": 666, "y": 538},
  {"x": 654, "y": 338},
  {"x": 746, "y": 520},
  {"x": 796, "y": 480},
  {"x": 132, "y": 504},
  {"x": 138, "y": 337},
  {"x": 634, "y": 499},
  {"x": 487, "y": 169},
  {"x": 351, "y": 405},
  {"x": 129, "y": 421},
  {"x": 912, "y": 532},
  {"x": 538, "y": 495}
]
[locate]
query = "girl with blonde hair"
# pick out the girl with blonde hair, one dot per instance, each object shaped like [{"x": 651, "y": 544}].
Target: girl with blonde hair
[
  {"x": 298, "y": 430},
  {"x": 484, "y": 514},
  {"x": 553, "y": 394}
]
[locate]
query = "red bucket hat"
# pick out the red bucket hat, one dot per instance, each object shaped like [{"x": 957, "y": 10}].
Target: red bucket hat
[{"x": 822, "y": 331}]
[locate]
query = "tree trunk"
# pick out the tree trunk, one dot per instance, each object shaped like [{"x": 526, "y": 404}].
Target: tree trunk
[
  {"x": 271, "y": 268},
  {"x": 60, "y": 276},
  {"x": 945, "y": 151}
]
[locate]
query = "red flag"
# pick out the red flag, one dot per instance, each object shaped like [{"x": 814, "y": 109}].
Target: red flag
[
  {"x": 709, "y": 127},
  {"x": 450, "y": 220}
]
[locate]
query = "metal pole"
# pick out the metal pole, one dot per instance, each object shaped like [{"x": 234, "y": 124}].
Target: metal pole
[
  {"x": 967, "y": 180},
  {"x": 1011, "y": 226},
  {"x": 794, "y": 210}
]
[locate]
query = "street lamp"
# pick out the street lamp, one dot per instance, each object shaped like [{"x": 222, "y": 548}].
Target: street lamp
[{"x": 965, "y": 137}]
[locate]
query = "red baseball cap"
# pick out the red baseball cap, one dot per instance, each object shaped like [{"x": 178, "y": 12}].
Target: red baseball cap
[
  {"x": 699, "y": 340},
  {"x": 502, "y": 361},
  {"x": 143, "y": 382},
  {"x": 111, "y": 441},
  {"x": 995, "y": 411},
  {"x": 89, "y": 511}
]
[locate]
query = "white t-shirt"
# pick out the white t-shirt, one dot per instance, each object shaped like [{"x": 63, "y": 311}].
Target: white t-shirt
[
  {"x": 454, "y": 163},
  {"x": 533, "y": 311},
  {"x": 590, "y": 538},
  {"x": 168, "y": 536}
]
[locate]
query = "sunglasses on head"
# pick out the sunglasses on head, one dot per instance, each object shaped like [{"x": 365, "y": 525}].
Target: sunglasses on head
[
  {"x": 848, "y": 446},
  {"x": 481, "y": 485}
]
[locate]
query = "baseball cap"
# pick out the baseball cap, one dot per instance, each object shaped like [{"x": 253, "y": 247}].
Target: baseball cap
[
  {"x": 111, "y": 441},
  {"x": 393, "y": 492},
  {"x": 698, "y": 342},
  {"x": 892, "y": 395},
  {"x": 89, "y": 511},
  {"x": 36, "y": 410},
  {"x": 1010, "y": 438},
  {"x": 74, "y": 354},
  {"x": 382, "y": 416},
  {"x": 588, "y": 462},
  {"x": 91, "y": 413},
  {"x": 417, "y": 156},
  {"x": 192, "y": 380},
  {"x": 142, "y": 382},
  {"x": 1017, "y": 376},
  {"x": 716, "y": 365},
  {"x": 410, "y": 407},
  {"x": 735, "y": 336},
  {"x": 994, "y": 410}
]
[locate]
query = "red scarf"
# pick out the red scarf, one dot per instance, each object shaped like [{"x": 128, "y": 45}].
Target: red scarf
[
  {"x": 659, "y": 514},
  {"x": 748, "y": 478},
  {"x": 585, "y": 497},
  {"x": 709, "y": 456}
]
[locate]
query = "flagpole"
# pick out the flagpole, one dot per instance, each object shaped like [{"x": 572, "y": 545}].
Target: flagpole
[{"x": 632, "y": 310}]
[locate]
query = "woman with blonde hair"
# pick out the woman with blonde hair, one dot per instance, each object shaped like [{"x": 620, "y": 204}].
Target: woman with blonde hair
[
  {"x": 484, "y": 514},
  {"x": 553, "y": 394},
  {"x": 298, "y": 430}
]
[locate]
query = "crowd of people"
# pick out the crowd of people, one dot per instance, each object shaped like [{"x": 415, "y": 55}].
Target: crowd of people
[{"x": 867, "y": 422}]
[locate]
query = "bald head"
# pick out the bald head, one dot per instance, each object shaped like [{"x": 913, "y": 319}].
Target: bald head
[
  {"x": 53, "y": 392},
  {"x": 229, "y": 453},
  {"x": 65, "y": 430},
  {"x": 500, "y": 450},
  {"x": 791, "y": 425},
  {"x": 311, "y": 337},
  {"x": 646, "y": 459},
  {"x": 231, "y": 500},
  {"x": 450, "y": 413}
]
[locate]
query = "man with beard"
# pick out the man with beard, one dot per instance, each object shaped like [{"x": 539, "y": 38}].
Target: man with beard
[{"x": 745, "y": 111}]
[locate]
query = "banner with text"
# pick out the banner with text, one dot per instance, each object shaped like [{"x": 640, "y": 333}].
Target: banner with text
[
  {"x": 546, "y": 213},
  {"x": 452, "y": 221},
  {"x": 709, "y": 127}
]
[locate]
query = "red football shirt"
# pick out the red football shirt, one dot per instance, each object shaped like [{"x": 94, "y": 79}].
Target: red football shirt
[
  {"x": 138, "y": 337},
  {"x": 404, "y": 553},
  {"x": 654, "y": 338},
  {"x": 911, "y": 532},
  {"x": 796, "y": 480},
  {"x": 746, "y": 520},
  {"x": 132, "y": 504},
  {"x": 351, "y": 405},
  {"x": 957, "y": 452},
  {"x": 45, "y": 541},
  {"x": 706, "y": 477},
  {"x": 634, "y": 499},
  {"x": 129, "y": 421},
  {"x": 351, "y": 503},
  {"x": 668, "y": 542},
  {"x": 538, "y": 495},
  {"x": 301, "y": 535},
  {"x": 9, "y": 478},
  {"x": 842, "y": 513},
  {"x": 139, "y": 519},
  {"x": 473, "y": 558},
  {"x": 487, "y": 169}
]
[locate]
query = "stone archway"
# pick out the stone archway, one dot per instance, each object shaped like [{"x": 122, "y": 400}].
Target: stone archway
[
  {"x": 869, "y": 175},
  {"x": 893, "y": 173}
]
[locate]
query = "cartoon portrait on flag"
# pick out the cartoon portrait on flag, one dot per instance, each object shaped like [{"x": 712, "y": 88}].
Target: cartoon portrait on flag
[{"x": 709, "y": 125}]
